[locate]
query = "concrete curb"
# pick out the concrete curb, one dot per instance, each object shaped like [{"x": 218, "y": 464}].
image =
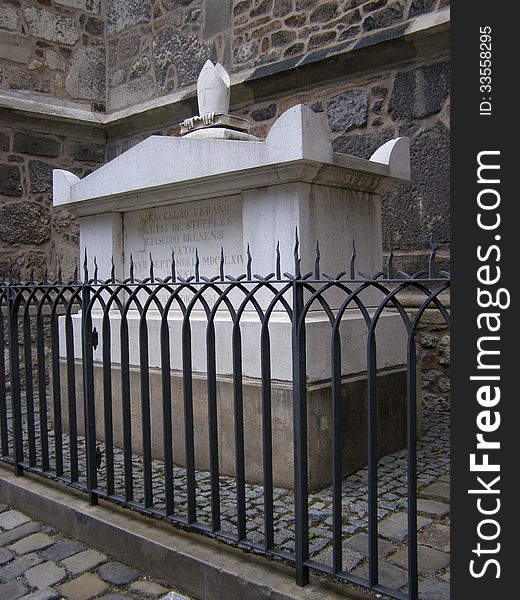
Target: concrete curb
[{"x": 196, "y": 565}]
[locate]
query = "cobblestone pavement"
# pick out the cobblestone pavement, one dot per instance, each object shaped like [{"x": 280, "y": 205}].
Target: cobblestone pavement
[
  {"x": 39, "y": 563},
  {"x": 433, "y": 506}
]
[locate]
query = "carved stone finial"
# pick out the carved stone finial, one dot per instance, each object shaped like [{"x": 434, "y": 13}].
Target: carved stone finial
[
  {"x": 214, "y": 120},
  {"x": 213, "y": 89}
]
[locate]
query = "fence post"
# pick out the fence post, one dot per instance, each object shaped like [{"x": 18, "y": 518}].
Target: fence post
[
  {"x": 301, "y": 489},
  {"x": 88, "y": 392},
  {"x": 14, "y": 364}
]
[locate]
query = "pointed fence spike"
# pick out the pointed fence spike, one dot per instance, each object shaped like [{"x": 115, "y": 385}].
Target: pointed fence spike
[
  {"x": 31, "y": 276},
  {"x": 75, "y": 276},
  {"x": 95, "y": 270},
  {"x": 317, "y": 261},
  {"x": 59, "y": 272},
  {"x": 85, "y": 266},
  {"x": 221, "y": 266},
  {"x": 390, "y": 261},
  {"x": 174, "y": 270},
  {"x": 151, "y": 268},
  {"x": 278, "y": 260},
  {"x": 197, "y": 264},
  {"x": 112, "y": 271},
  {"x": 46, "y": 274},
  {"x": 353, "y": 261},
  {"x": 297, "y": 261},
  {"x": 249, "y": 261},
  {"x": 431, "y": 262},
  {"x": 131, "y": 268}
]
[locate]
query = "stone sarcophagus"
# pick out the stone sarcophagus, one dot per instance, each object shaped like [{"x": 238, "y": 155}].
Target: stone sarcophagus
[{"x": 207, "y": 201}]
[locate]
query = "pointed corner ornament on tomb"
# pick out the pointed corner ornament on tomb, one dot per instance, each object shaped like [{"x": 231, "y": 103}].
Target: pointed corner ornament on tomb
[{"x": 214, "y": 120}]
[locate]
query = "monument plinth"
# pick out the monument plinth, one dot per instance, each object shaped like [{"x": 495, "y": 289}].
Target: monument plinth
[{"x": 179, "y": 201}]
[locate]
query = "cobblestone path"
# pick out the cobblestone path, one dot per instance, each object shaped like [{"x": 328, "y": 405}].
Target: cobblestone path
[
  {"x": 433, "y": 507},
  {"x": 39, "y": 563}
]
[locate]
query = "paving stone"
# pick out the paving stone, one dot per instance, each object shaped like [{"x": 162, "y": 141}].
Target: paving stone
[
  {"x": 62, "y": 549},
  {"x": 12, "y": 590},
  {"x": 351, "y": 558},
  {"x": 44, "y": 575},
  {"x": 11, "y": 519},
  {"x": 433, "y": 589},
  {"x": 84, "y": 561},
  {"x": 429, "y": 560},
  {"x": 439, "y": 490},
  {"x": 83, "y": 588},
  {"x": 436, "y": 536},
  {"x": 3, "y": 508},
  {"x": 36, "y": 541},
  {"x": 117, "y": 574},
  {"x": 48, "y": 594},
  {"x": 148, "y": 589},
  {"x": 18, "y": 567},
  {"x": 433, "y": 507},
  {"x": 359, "y": 543},
  {"x": 116, "y": 596},
  {"x": 5, "y": 556},
  {"x": 389, "y": 575},
  {"x": 396, "y": 526},
  {"x": 175, "y": 596},
  {"x": 13, "y": 535}
]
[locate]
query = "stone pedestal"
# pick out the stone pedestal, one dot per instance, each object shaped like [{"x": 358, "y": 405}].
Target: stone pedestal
[{"x": 195, "y": 196}]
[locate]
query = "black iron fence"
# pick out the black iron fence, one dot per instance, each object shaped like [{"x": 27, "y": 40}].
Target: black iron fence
[{"x": 222, "y": 404}]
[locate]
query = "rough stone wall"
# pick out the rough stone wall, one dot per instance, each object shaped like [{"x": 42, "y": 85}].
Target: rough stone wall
[
  {"x": 33, "y": 235},
  {"x": 54, "y": 47},
  {"x": 267, "y": 31}
]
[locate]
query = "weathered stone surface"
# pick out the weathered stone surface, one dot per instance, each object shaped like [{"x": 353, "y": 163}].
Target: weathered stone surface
[
  {"x": 187, "y": 54},
  {"x": 421, "y": 92},
  {"x": 51, "y": 26},
  {"x": 147, "y": 589},
  {"x": 32, "y": 143},
  {"x": 91, "y": 6},
  {"x": 62, "y": 549},
  {"x": 218, "y": 17},
  {"x": 362, "y": 145},
  {"x": 264, "y": 114},
  {"x": 84, "y": 587},
  {"x": 40, "y": 174},
  {"x": 129, "y": 46},
  {"x": 45, "y": 575},
  {"x": 419, "y": 7},
  {"x": 321, "y": 39},
  {"x": 32, "y": 543},
  {"x": 54, "y": 61},
  {"x": 348, "y": 110},
  {"x": 281, "y": 38},
  {"x": 48, "y": 594},
  {"x": 12, "y": 590},
  {"x": 87, "y": 151},
  {"x": 433, "y": 589},
  {"x": 395, "y": 527},
  {"x": 122, "y": 15},
  {"x": 384, "y": 17},
  {"x": 4, "y": 142},
  {"x": 9, "y": 18},
  {"x": 173, "y": 4},
  {"x": 5, "y": 556},
  {"x": 429, "y": 560},
  {"x": 139, "y": 68},
  {"x": 84, "y": 561},
  {"x": 117, "y": 574},
  {"x": 282, "y": 7},
  {"x": 10, "y": 180},
  {"x": 24, "y": 223},
  {"x": 389, "y": 575},
  {"x": 95, "y": 26},
  {"x": 86, "y": 76},
  {"x": 324, "y": 12},
  {"x": 432, "y": 507},
  {"x": 413, "y": 214},
  {"x": 12, "y": 518},
  {"x": 436, "y": 536},
  {"x": 17, "y": 567},
  {"x": 131, "y": 92},
  {"x": 8, "y": 537}
]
